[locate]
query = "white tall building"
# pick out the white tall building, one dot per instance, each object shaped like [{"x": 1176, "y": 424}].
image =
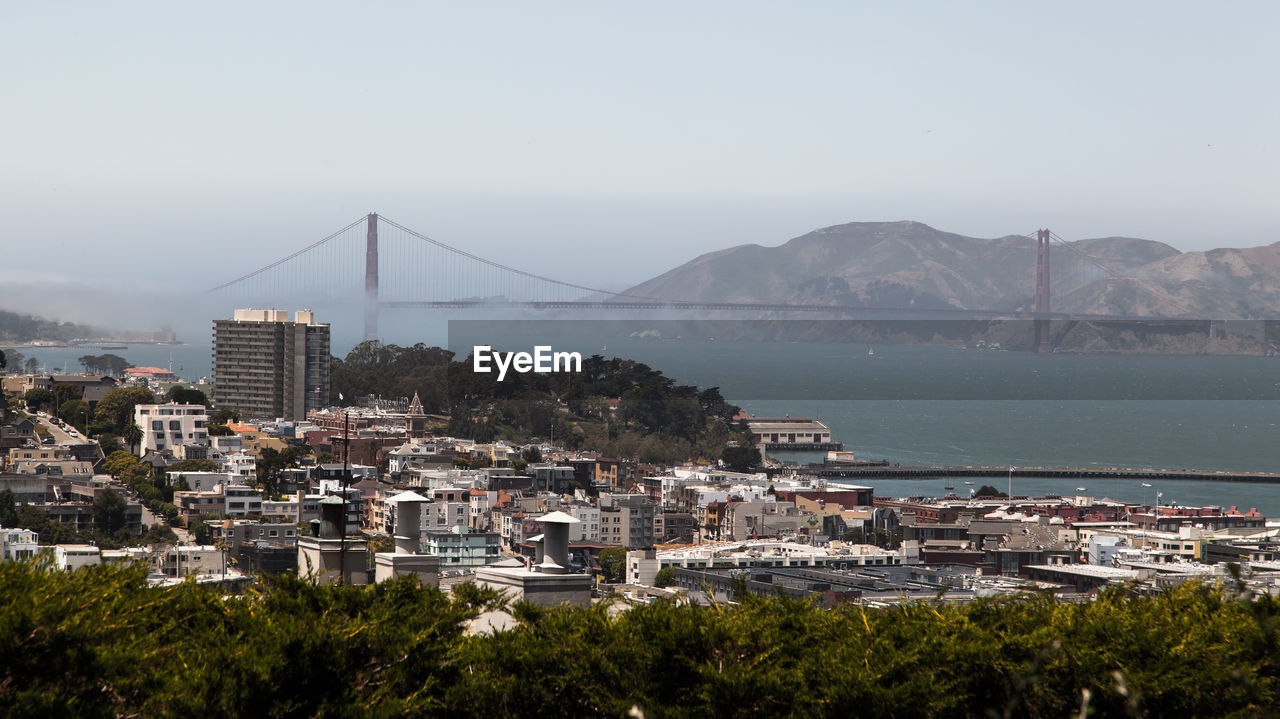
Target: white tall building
[{"x": 166, "y": 426}]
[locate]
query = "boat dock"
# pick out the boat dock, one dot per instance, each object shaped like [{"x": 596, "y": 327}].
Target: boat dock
[{"x": 887, "y": 471}]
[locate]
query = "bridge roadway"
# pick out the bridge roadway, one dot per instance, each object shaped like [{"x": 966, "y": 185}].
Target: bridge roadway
[{"x": 931, "y": 472}]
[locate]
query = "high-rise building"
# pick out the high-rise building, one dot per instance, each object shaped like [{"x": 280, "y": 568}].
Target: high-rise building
[{"x": 268, "y": 367}]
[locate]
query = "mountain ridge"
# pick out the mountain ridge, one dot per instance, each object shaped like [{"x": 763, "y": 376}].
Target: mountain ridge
[{"x": 916, "y": 265}]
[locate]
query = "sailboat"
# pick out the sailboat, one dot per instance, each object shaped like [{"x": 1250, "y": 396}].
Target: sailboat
[{"x": 871, "y": 352}]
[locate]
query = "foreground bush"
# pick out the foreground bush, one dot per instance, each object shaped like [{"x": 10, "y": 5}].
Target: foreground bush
[{"x": 98, "y": 642}]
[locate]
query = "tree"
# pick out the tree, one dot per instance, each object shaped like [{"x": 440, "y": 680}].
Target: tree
[
  {"x": 109, "y": 512},
  {"x": 987, "y": 490},
  {"x": 113, "y": 364},
  {"x": 531, "y": 455},
  {"x": 159, "y": 534},
  {"x": 8, "y": 509},
  {"x": 742, "y": 457},
  {"x": 132, "y": 435},
  {"x": 65, "y": 392},
  {"x": 38, "y": 398},
  {"x": 4, "y": 361},
  {"x": 186, "y": 395},
  {"x": 193, "y": 465},
  {"x": 33, "y": 364},
  {"x": 225, "y": 416},
  {"x": 116, "y": 406},
  {"x": 76, "y": 412},
  {"x": 613, "y": 563},
  {"x": 199, "y": 530},
  {"x": 219, "y": 420},
  {"x": 117, "y": 462},
  {"x": 110, "y": 443},
  {"x": 665, "y": 577},
  {"x": 31, "y": 517},
  {"x": 90, "y": 363},
  {"x": 269, "y": 466}
]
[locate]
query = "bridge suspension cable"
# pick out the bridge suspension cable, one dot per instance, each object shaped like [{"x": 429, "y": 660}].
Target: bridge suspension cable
[
  {"x": 507, "y": 268},
  {"x": 283, "y": 260}
]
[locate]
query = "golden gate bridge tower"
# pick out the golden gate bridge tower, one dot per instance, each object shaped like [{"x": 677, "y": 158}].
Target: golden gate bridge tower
[{"x": 1042, "y": 291}]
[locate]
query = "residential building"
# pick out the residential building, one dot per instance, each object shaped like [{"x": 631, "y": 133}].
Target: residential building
[
  {"x": 268, "y": 367},
  {"x": 626, "y": 520},
  {"x": 242, "y": 500},
  {"x": 170, "y": 426},
  {"x": 552, "y": 478},
  {"x": 460, "y": 549},
  {"x": 70, "y": 557},
  {"x": 186, "y": 560},
  {"x": 588, "y": 516},
  {"x": 18, "y": 544}
]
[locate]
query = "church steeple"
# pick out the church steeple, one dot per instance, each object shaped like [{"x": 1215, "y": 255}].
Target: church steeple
[{"x": 415, "y": 420}]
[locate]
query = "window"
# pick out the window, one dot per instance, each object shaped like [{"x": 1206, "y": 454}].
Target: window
[{"x": 157, "y": 424}]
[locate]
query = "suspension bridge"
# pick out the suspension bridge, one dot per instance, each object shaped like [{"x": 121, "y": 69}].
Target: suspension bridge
[{"x": 405, "y": 269}]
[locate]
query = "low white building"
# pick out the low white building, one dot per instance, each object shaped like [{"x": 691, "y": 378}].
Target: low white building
[
  {"x": 242, "y": 466},
  {"x": 18, "y": 544},
  {"x": 643, "y": 565},
  {"x": 69, "y": 557},
  {"x": 202, "y": 481},
  {"x": 242, "y": 500},
  {"x": 186, "y": 560},
  {"x": 400, "y": 458},
  {"x": 166, "y": 426}
]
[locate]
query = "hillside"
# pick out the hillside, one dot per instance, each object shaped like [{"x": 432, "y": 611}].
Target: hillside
[
  {"x": 911, "y": 264},
  {"x": 16, "y": 328}
]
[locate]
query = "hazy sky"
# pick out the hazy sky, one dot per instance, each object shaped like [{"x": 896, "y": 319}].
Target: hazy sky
[{"x": 607, "y": 142}]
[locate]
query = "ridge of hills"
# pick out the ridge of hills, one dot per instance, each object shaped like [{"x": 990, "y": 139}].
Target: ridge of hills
[{"x": 910, "y": 264}]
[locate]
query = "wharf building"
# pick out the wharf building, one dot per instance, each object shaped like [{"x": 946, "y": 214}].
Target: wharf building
[
  {"x": 790, "y": 433},
  {"x": 268, "y": 367}
]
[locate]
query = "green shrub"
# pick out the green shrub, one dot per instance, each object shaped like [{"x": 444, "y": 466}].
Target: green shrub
[{"x": 98, "y": 642}]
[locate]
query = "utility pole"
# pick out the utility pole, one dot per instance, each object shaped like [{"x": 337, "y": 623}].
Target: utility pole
[{"x": 342, "y": 526}]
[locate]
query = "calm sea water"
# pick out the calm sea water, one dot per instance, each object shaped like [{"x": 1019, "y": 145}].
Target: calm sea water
[{"x": 934, "y": 405}]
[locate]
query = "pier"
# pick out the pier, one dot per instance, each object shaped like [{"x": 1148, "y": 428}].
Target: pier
[{"x": 887, "y": 471}]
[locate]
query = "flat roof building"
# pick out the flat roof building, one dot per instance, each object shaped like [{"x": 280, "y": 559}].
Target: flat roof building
[{"x": 268, "y": 367}]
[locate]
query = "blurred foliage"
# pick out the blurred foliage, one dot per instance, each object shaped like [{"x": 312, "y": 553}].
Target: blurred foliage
[{"x": 97, "y": 642}]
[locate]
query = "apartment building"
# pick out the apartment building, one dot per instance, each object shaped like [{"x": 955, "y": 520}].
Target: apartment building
[
  {"x": 169, "y": 426},
  {"x": 269, "y": 367}
]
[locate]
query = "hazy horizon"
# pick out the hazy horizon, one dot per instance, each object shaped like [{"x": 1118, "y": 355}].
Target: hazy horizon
[{"x": 162, "y": 149}]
